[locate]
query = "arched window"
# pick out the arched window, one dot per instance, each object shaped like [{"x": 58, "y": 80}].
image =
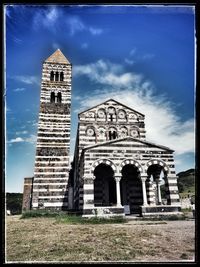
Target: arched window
[
  {"x": 52, "y": 76},
  {"x": 61, "y": 76},
  {"x": 59, "y": 97},
  {"x": 52, "y": 97},
  {"x": 111, "y": 114},
  {"x": 57, "y": 76},
  {"x": 112, "y": 134}
]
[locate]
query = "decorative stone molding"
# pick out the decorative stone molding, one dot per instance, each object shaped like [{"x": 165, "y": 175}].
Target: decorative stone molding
[
  {"x": 103, "y": 161},
  {"x": 159, "y": 162},
  {"x": 132, "y": 162}
]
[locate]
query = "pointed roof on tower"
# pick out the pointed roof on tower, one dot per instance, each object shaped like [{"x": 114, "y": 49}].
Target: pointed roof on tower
[{"x": 57, "y": 57}]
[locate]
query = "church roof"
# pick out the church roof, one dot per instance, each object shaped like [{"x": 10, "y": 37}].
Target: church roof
[
  {"x": 115, "y": 102},
  {"x": 57, "y": 57},
  {"x": 128, "y": 138}
]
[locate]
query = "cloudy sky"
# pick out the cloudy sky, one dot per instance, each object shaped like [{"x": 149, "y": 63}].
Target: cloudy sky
[{"x": 142, "y": 56}]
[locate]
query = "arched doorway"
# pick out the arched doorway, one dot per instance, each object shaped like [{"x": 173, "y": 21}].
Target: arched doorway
[
  {"x": 131, "y": 188},
  {"x": 104, "y": 186},
  {"x": 156, "y": 184}
]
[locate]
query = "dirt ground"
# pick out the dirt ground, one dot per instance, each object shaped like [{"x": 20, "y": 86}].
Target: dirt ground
[{"x": 47, "y": 240}]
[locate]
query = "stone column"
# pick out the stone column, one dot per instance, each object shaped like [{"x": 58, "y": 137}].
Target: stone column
[
  {"x": 144, "y": 192},
  {"x": 158, "y": 191},
  {"x": 117, "y": 179}
]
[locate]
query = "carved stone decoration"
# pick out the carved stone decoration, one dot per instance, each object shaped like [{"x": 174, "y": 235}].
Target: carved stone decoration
[
  {"x": 124, "y": 132},
  {"x": 90, "y": 131},
  {"x": 132, "y": 116},
  {"x": 122, "y": 114},
  {"x": 134, "y": 132},
  {"x": 101, "y": 113},
  {"x": 101, "y": 132},
  {"x": 111, "y": 110}
]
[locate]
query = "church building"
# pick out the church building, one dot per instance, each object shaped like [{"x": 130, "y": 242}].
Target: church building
[{"x": 115, "y": 171}]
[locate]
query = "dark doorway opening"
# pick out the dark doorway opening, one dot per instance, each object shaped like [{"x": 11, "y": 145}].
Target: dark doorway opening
[
  {"x": 104, "y": 186},
  {"x": 131, "y": 188}
]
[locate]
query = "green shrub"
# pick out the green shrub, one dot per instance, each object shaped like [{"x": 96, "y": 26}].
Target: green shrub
[
  {"x": 14, "y": 203},
  {"x": 41, "y": 213},
  {"x": 64, "y": 217}
]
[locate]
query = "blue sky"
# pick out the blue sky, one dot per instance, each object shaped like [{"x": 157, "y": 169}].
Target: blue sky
[{"x": 142, "y": 56}]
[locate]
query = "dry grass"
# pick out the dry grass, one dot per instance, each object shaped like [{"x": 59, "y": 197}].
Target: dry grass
[{"x": 46, "y": 239}]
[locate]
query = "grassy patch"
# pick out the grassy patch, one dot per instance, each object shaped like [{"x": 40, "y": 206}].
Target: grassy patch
[
  {"x": 63, "y": 217},
  {"x": 46, "y": 239},
  {"x": 163, "y": 218},
  {"x": 41, "y": 213}
]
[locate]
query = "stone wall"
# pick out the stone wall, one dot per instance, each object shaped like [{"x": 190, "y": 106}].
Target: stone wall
[{"x": 27, "y": 194}]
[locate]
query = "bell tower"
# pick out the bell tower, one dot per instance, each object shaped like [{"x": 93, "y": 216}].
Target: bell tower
[{"x": 52, "y": 164}]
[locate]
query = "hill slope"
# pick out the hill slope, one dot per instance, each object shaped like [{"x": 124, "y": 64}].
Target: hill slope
[
  {"x": 14, "y": 202},
  {"x": 186, "y": 182}
]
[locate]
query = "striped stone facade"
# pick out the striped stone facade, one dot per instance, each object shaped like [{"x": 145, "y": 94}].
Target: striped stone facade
[
  {"x": 50, "y": 184},
  {"x": 114, "y": 165},
  {"x": 115, "y": 168}
]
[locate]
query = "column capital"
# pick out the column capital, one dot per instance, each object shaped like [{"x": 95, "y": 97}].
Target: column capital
[
  {"x": 143, "y": 177},
  {"x": 118, "y": 178}
]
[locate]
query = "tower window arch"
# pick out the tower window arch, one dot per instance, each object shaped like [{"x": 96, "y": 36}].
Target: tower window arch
[
  {"x": 59, "y": 97},
  {"x": 61, "y": 76},
  {"x": 52, "y": 76},
  {"x": 52, "y": 97},
  {"x": 57, "y": 76}
]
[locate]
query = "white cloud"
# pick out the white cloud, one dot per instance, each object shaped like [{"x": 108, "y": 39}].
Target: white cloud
[
  {"x": 163, "y": 125},
  {"x": 135, "y": 56},
  {"x": 27, "y": 79},
  {"x": 16, "y": 140},
  {"x": 95, "y": 31},
  {"x": 51, "y": 19},
  {"x": 21, "y": 132},
  {"x": 19, "y": 89},
  {"x": 84, "y": 46},
  {"x": 147, "y": 56},
  {"x": 31, "y": 139},
  {"x": 133, "y": 51},
  {"x": 105, "y": 72},
  {"x": 129, "y": 61},
  {"x": 77, "y": 25},
  {"x": 46, "y": 18}
]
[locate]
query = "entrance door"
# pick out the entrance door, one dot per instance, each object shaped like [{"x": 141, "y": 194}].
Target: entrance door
[
  {"x": 131, "y": 188},
  {"x": 104, "y": 186}
]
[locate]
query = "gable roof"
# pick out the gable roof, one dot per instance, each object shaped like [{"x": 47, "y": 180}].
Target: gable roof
[
  {"x": 150, "y": 144},
  {"x": 57, "y": 57},
  {"x": 115, "y": 102}
]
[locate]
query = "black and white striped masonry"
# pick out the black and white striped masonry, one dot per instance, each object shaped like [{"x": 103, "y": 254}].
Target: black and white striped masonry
[
  {"x": 115, "y": 170},
  {"x": 114, "y": 165},
  {"x": 53, "y": 139}
]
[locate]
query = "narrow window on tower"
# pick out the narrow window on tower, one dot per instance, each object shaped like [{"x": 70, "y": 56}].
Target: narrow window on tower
[
  {"x": 52, "y": 97},
  {"x": 52, "y": 76},
  {"x": 57, "y": 76},
  {"x": 59, "y": 97},
  {"x": 61, "y": 76}
]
